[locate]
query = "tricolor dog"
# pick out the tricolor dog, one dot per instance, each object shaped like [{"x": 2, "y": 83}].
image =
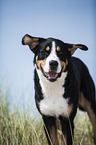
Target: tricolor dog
[{"x": 62, "y": 84}]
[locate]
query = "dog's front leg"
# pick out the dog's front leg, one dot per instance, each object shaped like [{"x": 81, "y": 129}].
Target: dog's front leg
[
  {"x": 50, "y": 129},
  {"x": 67, "y": 130}
]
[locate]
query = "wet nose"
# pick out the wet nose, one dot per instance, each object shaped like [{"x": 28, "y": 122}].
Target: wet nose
[{"x": 53, "y": 65}]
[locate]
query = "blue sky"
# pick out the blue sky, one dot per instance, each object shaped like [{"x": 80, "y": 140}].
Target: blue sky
[{"x": 72, "y": 21}]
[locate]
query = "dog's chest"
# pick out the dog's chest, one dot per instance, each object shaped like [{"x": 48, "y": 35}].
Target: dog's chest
[{"x": 53, "y": 104}]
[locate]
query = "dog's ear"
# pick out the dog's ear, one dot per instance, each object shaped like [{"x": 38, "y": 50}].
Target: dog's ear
[
  {"x": 73, "y": 47},
  {"x": 31, "y": 41}
]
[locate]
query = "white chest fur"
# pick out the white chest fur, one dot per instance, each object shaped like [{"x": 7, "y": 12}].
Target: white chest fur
[{"x": 53, "y": 103}]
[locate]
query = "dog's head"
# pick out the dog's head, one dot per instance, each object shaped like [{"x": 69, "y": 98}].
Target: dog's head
[{"x": 51, "y": 55}]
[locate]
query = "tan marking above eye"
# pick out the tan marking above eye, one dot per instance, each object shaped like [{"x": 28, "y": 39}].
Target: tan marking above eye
[
  {"x": 58, "y": 48},
  {"x": 47, "y": 48}
]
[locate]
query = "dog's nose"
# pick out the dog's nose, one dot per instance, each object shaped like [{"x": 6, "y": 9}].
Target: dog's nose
[{"x": 53, "y": 65}]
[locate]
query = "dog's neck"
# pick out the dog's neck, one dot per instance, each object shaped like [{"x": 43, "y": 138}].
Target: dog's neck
[{"x": 46, "y": 84}]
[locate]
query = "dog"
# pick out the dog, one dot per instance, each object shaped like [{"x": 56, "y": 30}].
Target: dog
[{"x": 62, "y": 84}]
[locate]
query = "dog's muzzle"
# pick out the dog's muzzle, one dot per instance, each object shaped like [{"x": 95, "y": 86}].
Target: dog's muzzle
[{"x": 52, "y": 75}]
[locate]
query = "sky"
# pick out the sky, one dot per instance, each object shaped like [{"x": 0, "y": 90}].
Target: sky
[{"x": 72, "y": 21}]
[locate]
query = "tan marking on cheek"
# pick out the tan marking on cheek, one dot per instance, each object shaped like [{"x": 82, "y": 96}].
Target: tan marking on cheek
[
  {"x": 58, "y": 48},
  {"x": 40, "y": 63},
  {"x": 47, "y": 48},
  {"x": 64, "y": 64}
]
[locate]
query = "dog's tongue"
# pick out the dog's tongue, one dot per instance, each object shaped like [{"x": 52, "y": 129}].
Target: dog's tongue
[{"x": 52, "y": 75}]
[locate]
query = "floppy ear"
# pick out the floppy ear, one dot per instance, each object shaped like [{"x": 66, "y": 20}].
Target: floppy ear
[
  {"x": 73, "y": 47},
  {"x": 31, "y": 41}
]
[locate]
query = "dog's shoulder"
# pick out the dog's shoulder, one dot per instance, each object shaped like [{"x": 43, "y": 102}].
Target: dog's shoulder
[{"x": 77, "y": 63}]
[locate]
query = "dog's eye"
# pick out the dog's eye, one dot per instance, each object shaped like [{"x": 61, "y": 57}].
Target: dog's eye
[
  {"x": 44, "y": 52},
  {"x": 60, "y": 52}
]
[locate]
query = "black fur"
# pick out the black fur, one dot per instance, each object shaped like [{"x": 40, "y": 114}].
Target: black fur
[{"x": 78, "y": 82}]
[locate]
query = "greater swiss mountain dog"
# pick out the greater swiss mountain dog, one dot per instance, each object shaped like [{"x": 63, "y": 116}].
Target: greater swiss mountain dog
[{"x": 62, "y": 84}]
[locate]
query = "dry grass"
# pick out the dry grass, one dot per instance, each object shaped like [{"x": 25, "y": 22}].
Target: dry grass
[
  {"x": 83, "y": 134},
  {"x": 21, "y": 129}
]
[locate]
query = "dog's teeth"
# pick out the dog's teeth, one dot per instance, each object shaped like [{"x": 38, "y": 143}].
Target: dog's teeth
[{"x": 52, "y": 75}]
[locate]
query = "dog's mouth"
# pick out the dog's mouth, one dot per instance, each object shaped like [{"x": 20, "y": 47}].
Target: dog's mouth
[{"x": 51, "y": 75}]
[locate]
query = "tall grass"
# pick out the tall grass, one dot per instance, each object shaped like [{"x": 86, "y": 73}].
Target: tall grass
[{"x": 21, "y": 129}]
